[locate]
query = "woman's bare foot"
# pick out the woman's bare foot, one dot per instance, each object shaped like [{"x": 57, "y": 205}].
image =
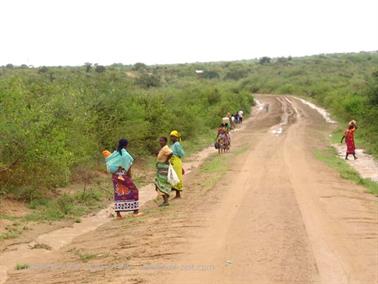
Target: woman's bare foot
[{"x": 119, "y": 216}]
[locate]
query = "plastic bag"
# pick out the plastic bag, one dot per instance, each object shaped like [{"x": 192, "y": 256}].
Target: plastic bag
[{"x": 172, "y": 176}]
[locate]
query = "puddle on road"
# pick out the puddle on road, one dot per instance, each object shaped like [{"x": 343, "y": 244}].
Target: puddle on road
[
  {"x": 325, "y": 114},
  {"x": 365, "y": 165}
]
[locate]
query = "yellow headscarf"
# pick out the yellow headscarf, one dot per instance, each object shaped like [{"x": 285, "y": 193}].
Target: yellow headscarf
[{"x": 175, "y": 133}]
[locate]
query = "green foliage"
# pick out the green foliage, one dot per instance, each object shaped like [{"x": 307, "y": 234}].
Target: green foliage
[
  {"x": 50, "y": 127},
  {"x": 74, "y": 205},
  {"x": 210, "y": 75},
  {"x": 100, "y": 68},
  {"x": 266, "y": 60},
  {"x": 22, "y": 266},
  {"x": 148, "y": 80}
]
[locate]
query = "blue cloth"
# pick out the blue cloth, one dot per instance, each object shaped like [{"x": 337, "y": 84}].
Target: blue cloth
[
  {"x": 177, "y": 150},
  {"x": 116, "y": 161}
]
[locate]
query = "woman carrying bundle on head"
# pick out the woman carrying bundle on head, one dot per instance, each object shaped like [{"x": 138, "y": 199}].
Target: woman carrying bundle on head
[
  {"x": 349, "y": 139},
  {"x": 176, "y": 160},
  {"x": 126, "y": 194}
]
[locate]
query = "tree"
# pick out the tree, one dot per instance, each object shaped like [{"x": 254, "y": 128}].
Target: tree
[
  {"x": 100, "y": 68},
  {"x": 43, "y": 69},
  {"x": 147, "y": 80},
  {"x": 210, "y": 75},
  {"x": 139, "y": 66},
  {"x": 236, "y": 74},
  {"x": 264, "y": 60},
  {"x": 88, "y": 66}
]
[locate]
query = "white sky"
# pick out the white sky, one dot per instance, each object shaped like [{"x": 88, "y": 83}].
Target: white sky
[{"x": 71, "y": 32}]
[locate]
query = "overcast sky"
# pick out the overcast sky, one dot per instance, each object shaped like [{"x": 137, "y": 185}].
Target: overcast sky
[{"x": 71, "y": 32}]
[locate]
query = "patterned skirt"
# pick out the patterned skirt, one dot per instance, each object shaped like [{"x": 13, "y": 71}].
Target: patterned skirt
[
  {"x": 161, "y": 179},
  {"x": 126, "y": 194}
]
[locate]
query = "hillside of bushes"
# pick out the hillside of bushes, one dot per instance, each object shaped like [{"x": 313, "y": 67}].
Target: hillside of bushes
[{"x": 56, "y": 120}]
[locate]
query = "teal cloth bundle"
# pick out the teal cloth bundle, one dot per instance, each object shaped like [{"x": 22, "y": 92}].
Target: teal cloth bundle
[{"x": 116, "y": 161}]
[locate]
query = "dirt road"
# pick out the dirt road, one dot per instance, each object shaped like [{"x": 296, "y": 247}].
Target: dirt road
[{"x": 276, "y": 215}]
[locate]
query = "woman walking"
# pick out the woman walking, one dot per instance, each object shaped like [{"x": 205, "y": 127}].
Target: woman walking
[
  {"x": 176, "y": 160},
  {"x": 349, "y": 139},
  {"x": 126, "y": 194},
  {"x": 162, "y": 164},
  {"x": 222, "y": 140}
]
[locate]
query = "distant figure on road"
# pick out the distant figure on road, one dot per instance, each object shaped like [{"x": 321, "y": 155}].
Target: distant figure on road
[
  {"x": 237, "y": 118},
  {"x": 162, "y": 164},
  {"x": 349, "y": 139},
  {"x": 176, "y": 160},
  {"x": 240, "y": 113},
  {"x": 227, "y": 122},
  {"x": 223, "y": 139}
]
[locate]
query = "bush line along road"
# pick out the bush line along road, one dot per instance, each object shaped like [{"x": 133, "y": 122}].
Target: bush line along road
[
  {"x": 54, "y": 119},
  {"x": 276, "y": 214}
]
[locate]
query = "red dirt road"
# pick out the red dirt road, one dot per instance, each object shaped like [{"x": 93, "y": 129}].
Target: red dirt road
[{"x": 277, "y": 215}]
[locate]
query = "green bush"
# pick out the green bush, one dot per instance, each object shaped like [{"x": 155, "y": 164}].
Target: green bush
[{"x": 49, "y": 128}]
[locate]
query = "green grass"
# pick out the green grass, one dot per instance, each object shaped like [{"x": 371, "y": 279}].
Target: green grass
[
  {"x": 71, "y": 206},
  {"x": 22, "y": 266},
  {"x": 214, "y": 168},
  {"x": 13, "y": 230},
  {"x": 329, "y": 156},
  {"x": 215, "y": 164},
  {"x": 66, "y": 206},
  {"x": 202, "y": 141},
  {"x": 85, "y": 257}
]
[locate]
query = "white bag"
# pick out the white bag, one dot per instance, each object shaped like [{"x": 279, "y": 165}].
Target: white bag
[{"x": 172, "y": 176}]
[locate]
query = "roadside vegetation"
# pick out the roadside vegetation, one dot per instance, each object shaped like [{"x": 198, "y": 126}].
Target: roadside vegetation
[
  {"x": 329, "y": 156},
  {"x": 55, "y": 121}
]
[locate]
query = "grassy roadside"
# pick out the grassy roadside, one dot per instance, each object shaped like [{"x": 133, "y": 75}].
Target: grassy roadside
[
  {"x": 67, "y": 206},
  {"x": 217, "y": 165},
  {"x": 76, "y": 202},
  {"x": 329, "y": 156}
]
